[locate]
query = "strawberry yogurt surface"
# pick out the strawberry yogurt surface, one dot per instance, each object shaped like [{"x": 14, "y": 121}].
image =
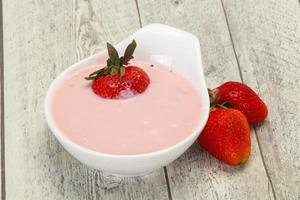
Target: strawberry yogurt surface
[{"x": 163, "y": 115}]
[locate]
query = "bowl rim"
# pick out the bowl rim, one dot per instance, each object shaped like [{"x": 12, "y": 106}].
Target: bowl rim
[{"x": 63, "y": 139}]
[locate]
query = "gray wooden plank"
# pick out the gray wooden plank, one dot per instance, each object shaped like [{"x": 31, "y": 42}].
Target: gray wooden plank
[
  {"x": 41, "y": 38},
  {"x": 196, "y": 175},
  {"x": 266, "y": 36}
]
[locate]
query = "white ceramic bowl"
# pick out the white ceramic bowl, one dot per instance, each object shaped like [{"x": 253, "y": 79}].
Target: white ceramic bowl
[{"x": 156, "y": 43}]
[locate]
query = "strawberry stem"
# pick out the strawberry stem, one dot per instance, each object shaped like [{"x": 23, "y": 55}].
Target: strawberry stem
[
  {"x": 212, "y": 96},
  {"x": 115, "y": 65}
]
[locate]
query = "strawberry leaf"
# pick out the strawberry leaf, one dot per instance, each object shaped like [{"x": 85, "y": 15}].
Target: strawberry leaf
[
  {"x": 113, "y": 54},
  {"x": 100, "y": 72},
  {"x": 128, "y": 55},
  {"x": 109, "y": 62}
]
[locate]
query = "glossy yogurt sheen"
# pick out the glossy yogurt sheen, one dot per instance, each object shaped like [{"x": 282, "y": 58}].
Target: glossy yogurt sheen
[{"x": 166, "y": 113}]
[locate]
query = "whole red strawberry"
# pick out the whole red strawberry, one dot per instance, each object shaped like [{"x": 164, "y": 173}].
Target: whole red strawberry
[
  {"x": 226, "y": 136},
  {"x": 242, "y": 98},
  {"x": 117, "y": 79}
]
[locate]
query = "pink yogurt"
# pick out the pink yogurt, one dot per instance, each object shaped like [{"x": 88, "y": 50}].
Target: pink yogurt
[{"x": 165, "y": 114}]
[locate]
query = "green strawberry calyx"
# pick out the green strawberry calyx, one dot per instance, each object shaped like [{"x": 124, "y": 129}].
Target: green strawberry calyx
[{"x": 115, "y": 65}]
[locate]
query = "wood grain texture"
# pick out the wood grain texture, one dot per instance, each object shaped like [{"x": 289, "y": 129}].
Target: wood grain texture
[
  {"x": 197, "y": 175},
  {"x": 266, "y": 36},
  {"x": 42, "y": 38}
]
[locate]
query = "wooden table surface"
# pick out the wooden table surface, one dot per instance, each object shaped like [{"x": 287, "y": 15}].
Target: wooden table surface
[{"x": 254, "y": 41}]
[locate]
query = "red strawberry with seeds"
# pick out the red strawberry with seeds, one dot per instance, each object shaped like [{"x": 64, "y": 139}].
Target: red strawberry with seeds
[
  {"x": 226, "y": 136},
  {"x": 117, "y": 79},
  {"x": 134, "y": 81},
  {"x": 242, "y": 98}
]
